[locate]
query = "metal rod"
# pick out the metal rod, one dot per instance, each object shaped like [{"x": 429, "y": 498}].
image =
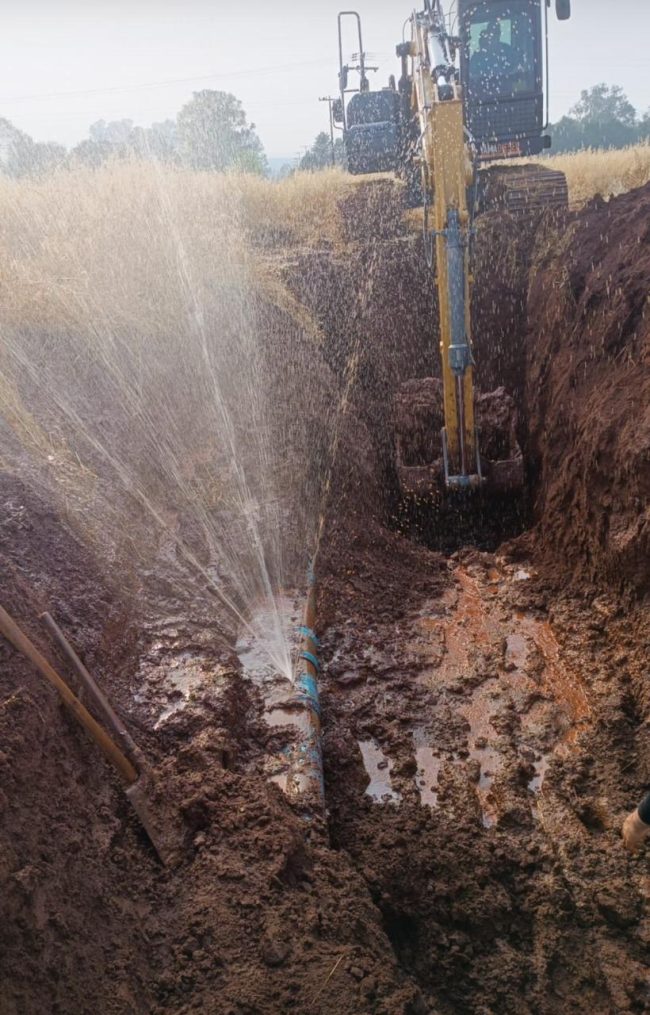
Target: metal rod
[
  {"x": 461, "y": 424},
  {"x": 95, "y": 693},
  {"x": 12, "y": 632}
]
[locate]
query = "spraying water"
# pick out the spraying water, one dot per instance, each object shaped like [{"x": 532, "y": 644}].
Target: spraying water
[{"x": 137, "y": 381}]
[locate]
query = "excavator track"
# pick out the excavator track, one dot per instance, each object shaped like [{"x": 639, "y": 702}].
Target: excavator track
[{"x": 521, "y": 190}]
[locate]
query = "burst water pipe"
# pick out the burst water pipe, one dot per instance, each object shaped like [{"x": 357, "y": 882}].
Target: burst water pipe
[{"x": 306, "y": 771}]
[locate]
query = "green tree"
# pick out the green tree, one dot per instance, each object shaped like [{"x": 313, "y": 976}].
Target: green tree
[
  {"x": 644, "y": 126},
  {"x": 21, "y": 156},
  {"x": 120, "y": 139},
  {"x": 602, "y": 118},
  {"x": 115, "y": 132},
  {"x": 104, "y": 141},
  {"x": 214, "y": 134},
  {"x": 319, "y": 155},
  {"x": 604, "y": 104},
  {"x": 567, "y": 135},
  {"x": 160, "y": 142}
]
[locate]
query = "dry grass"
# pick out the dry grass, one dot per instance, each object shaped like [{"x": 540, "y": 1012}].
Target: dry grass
[
  {"x": 143, "y": 335},
  {"x": 606, "y": 173},
  {"x": 112, "y": 237},
  {"x": 302, "y": 208}
]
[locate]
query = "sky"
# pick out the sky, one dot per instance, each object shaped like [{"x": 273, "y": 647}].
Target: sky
[{"x": 67, "y": 63}]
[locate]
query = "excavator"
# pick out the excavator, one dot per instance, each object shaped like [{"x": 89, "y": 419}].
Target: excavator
[{"x": 471, "y": 92}]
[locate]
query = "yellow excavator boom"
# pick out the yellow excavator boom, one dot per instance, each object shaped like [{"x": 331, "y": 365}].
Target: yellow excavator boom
[{"x": 446, "y": 175}]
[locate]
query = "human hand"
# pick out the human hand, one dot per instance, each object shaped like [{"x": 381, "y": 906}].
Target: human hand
[{"x": 634, "y": 831}]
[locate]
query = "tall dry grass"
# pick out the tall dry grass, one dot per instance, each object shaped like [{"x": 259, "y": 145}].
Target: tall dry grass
[
  {"x": 607, "y": 173},
  {"x": 153, "y": 375}
]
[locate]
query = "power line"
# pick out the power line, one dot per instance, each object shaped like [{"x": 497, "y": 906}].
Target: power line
[{"x": 160, "y": 84}]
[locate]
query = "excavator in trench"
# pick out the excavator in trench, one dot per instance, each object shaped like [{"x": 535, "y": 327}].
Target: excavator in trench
[{"x": 472, "y": 91}]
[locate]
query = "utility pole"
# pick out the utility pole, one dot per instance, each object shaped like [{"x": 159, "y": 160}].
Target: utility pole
[{"x": 330, "y": 102}]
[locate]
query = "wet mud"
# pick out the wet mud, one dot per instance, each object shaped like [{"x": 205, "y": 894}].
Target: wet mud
[{"x": 485, "y": 713}]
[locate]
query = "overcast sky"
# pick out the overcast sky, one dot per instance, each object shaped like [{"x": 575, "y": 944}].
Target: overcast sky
[{"x": 142, "y": 59}]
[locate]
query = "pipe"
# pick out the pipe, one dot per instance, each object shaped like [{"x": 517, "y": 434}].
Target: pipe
[
  {"x": 11, "y": 631},
  {"x": 95, "y": 693},
  {"x": 306, "y": 773}
]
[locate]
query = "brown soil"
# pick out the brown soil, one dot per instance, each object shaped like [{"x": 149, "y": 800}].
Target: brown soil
[
  {"x": 485, "y": 715},
  {"x": 588, "y": 392}
]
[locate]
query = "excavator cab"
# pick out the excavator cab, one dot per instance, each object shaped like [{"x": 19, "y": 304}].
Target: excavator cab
[
  {"x": 370, "y": 119},
  {"x": 503, "y": 68}
]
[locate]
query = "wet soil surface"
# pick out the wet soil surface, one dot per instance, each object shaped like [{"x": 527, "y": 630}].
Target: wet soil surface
[
  {"x": 485, "y": 730},
  {"x": 485, "y": 733}
]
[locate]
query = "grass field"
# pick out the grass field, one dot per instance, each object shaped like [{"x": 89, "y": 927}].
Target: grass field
[
  {"x": 304, "y": 201},
  {"x": 607, "y": 173}
]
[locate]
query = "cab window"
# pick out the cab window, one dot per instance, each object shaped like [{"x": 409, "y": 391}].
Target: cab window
[
  {"x": 500, "y": 48},
  {"x": 373, "y": 107}
]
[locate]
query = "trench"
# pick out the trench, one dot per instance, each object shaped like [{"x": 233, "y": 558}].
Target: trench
[
  {"x": 484, "y": 697},
  {"x": 463, "y": 728}
]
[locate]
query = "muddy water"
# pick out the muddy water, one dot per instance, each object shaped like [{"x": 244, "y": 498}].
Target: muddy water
[
  {"x": 276, "y": 626},
  {"x": 503, "y": 672},
  {"x": 429, "y": 765},
  {"x": 378, "y": 768},
  {"x": 184, "y": 678}
]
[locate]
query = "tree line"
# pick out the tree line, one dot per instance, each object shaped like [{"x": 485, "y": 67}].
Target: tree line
[
  {"x": 210, "y": 132},
  {"x": 604, "y": 117}
]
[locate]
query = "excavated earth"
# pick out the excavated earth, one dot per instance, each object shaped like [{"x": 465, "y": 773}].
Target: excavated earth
[{"x": 486, "y": 705}]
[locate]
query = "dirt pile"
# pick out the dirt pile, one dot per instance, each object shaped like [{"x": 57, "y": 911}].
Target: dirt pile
[{"x": 588, "y": 392}]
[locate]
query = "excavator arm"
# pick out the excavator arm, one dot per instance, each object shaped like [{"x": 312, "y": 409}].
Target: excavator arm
[
  {"x": 446, "y": 175},
  {"x": 429, "y": 125},
  {"x": 438, "y": 422}
]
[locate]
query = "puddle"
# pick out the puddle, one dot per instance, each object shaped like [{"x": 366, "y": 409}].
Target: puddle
[
  {"x": 378, "y": 767},
  {"x": 297, "y": 717},
  {"x": 273, "y": 634},
  {"x": 281, "y": 780},
  {"x": 479, "y": 711},
  {"x": 429, "y": 765},
  {"x": 464, "y": 640},
  {"x": 468, "y": 632},
  {"x": 516, "y": 651},
  {"x": 489, "y": 761},
  {"x": 564, "y": 685},
  {"x": 541, "y": 764}
]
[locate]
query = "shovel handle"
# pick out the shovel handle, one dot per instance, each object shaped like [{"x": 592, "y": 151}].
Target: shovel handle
[
  {"x": 12, "y": 632},
  {"x": 95, "y": 693}
]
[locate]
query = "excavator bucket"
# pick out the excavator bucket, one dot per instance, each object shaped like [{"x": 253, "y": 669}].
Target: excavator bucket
[
  {"x": 419, "y": 422},
  {"x": 501, "y": 459}
]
